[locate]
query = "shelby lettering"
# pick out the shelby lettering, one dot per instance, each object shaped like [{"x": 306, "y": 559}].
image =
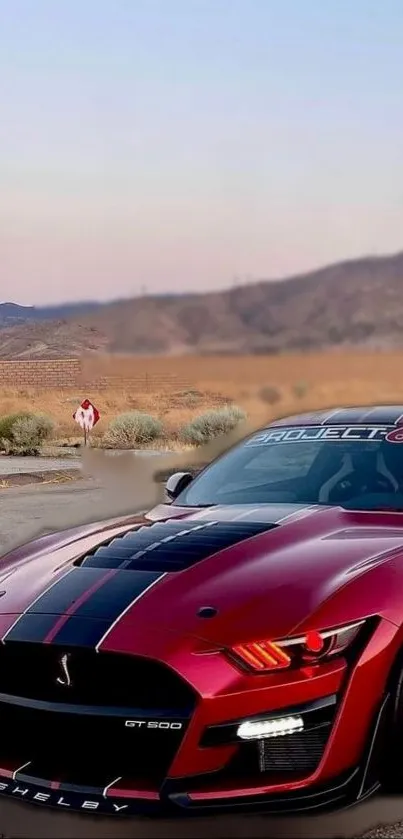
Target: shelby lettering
[{"x": 69, "y": 802}]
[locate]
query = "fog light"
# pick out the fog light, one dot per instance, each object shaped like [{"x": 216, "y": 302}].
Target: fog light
[{"x": 270, "y": 728}]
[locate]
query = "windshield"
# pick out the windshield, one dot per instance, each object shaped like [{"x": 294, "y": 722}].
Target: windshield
[{"x": 355, "y": 466}]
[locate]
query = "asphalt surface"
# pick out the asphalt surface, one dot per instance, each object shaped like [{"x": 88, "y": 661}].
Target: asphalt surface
[
  {"x": 19, "y": 465},
  {"x": 29, "y": 511}
]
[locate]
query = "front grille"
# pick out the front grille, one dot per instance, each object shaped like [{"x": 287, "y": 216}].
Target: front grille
[
  {"x": 86, "y": 750},
  {"x": 278, "y": 758},
  {"x": 77, "y": 734},
  {"x": 297, "y": 753},
  {"x": 104, "y": 678},
  {"x": 292, "y": 755}
]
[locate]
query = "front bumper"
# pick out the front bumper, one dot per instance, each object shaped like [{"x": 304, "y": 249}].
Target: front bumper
[
  {"x": 190, "y": 796},
  {"x": 171, "y": 801},
  {"x": 203, "y": 772},
  {"x": 171, "y": 804}
]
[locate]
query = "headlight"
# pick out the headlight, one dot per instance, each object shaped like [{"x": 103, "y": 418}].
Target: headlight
[
  {"x": 313, "y": 647},
  {"x": 262, "y": 729}
]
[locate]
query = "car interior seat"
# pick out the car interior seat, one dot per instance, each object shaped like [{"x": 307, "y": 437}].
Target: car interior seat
[{"x": 347, "y": 468}]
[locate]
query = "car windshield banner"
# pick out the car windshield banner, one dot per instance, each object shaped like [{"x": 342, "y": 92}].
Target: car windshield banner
[{"x": 327, "y": 433}]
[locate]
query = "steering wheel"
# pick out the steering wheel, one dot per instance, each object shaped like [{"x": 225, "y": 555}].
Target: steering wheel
[{"x": 355, "y": 485}]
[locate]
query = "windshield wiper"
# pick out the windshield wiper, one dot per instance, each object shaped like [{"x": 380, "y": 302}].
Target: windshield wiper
[
  {"x": 388, "y": 509},
  {"x": 196, "y": 506}
]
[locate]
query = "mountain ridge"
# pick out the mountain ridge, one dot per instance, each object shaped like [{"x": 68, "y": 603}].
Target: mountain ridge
[{"x": 355, "y": 302}]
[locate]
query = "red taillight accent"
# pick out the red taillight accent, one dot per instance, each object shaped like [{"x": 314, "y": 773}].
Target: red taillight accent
[
  {"x": 263, "y": 655},
  {"x": 314, "y": 642}
]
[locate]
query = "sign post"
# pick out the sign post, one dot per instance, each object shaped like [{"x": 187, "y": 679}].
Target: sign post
[{"x": 86, "y": 416}]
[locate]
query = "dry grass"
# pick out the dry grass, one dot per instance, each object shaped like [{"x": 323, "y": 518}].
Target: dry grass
[
  {"x": 178, "y": 389},
  {"x": 43, "y": 478}
]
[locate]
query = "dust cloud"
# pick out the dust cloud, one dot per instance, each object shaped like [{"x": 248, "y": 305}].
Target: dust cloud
[{"x": 136, "y": 481}]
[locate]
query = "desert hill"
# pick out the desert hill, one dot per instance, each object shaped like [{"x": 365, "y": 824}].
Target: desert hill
[{"x": 359, "y": 302}]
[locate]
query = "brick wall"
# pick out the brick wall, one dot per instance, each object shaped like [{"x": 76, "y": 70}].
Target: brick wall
[
  {"x": 143, "y": 382},
  {"x": 77, "y": 373},
  {"x": 104, "y": 372},
  {"x": 41, "y": 373}
]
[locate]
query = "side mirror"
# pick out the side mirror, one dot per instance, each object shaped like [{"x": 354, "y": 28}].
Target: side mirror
[{"x": 176, "y": 484}]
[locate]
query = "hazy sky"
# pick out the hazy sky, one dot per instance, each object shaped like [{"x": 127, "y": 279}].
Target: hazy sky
[{"x": 175, "y": 144}]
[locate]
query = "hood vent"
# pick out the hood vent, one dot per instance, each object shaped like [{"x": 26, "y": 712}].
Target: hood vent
[
  {"x": 170, "y": 546},
  {"x": 360, "y": 532}
]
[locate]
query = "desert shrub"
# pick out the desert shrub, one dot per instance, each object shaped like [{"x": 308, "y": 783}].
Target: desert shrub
[
  {"x": 270, "y": 394},
  {"x": 212, "y": 424},
  {"x": 7, "y": 423},
  {"x": 189, "y": 398},
  {"x": 132, "y": 429},
  {"x": 300, "y": 389},
  {"x": 27, "y": 434},
  {"x": 194, "y": 394}
]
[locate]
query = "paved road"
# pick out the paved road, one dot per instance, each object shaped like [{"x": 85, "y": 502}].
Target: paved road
[
  {"x": 28, "y": 511},
  {"x": 17, "y": 465}
]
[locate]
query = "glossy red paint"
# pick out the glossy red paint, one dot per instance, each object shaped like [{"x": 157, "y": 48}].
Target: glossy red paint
[
  {"x": 24, "y": 579},
  {"x": 322, "y": 567},
  {"x": 300, "y": 561},
  {"x": 301, "y": 564},
  {"x": 117, "y": 791}
]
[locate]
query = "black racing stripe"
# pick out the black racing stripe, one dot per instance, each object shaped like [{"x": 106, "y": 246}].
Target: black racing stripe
[
  {"x": 268, "y": 514},
  {"x": 116, "y": 595},
  {"x": 381, "y": 415},
  {"x": 311, "y": 418},
  {"x": 82, "y": 632},
  {"x": 385, "y": 415},
  {"x": 103, "y": 605},
  {"x": 31, "y": 627},
  {"x": 346, "y": 416},
  {"x": 172, "y": 546},
  {"x": 97, "y": 614},
  {"x": 324, "y": 417},
  {"x": 62, "y": 595}
]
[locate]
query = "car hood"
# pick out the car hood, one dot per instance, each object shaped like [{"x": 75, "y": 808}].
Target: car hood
[{"x": 262, "y": 571}]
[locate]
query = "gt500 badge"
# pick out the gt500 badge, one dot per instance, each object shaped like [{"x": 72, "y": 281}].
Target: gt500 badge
[{"x": 173, "y": 726}]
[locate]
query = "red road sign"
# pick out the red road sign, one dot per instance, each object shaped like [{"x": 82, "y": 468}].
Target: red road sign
[{"x": 86, "y": 415}]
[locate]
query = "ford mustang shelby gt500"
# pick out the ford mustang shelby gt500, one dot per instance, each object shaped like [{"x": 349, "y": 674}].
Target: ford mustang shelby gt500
[{"x": 240, "y": 645}]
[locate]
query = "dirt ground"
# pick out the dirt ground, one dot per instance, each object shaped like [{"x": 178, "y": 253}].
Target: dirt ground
[{"x": 177, "y": 389}]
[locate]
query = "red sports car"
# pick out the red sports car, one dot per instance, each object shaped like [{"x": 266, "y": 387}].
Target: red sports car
[{"x": 238, "y": 646}]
